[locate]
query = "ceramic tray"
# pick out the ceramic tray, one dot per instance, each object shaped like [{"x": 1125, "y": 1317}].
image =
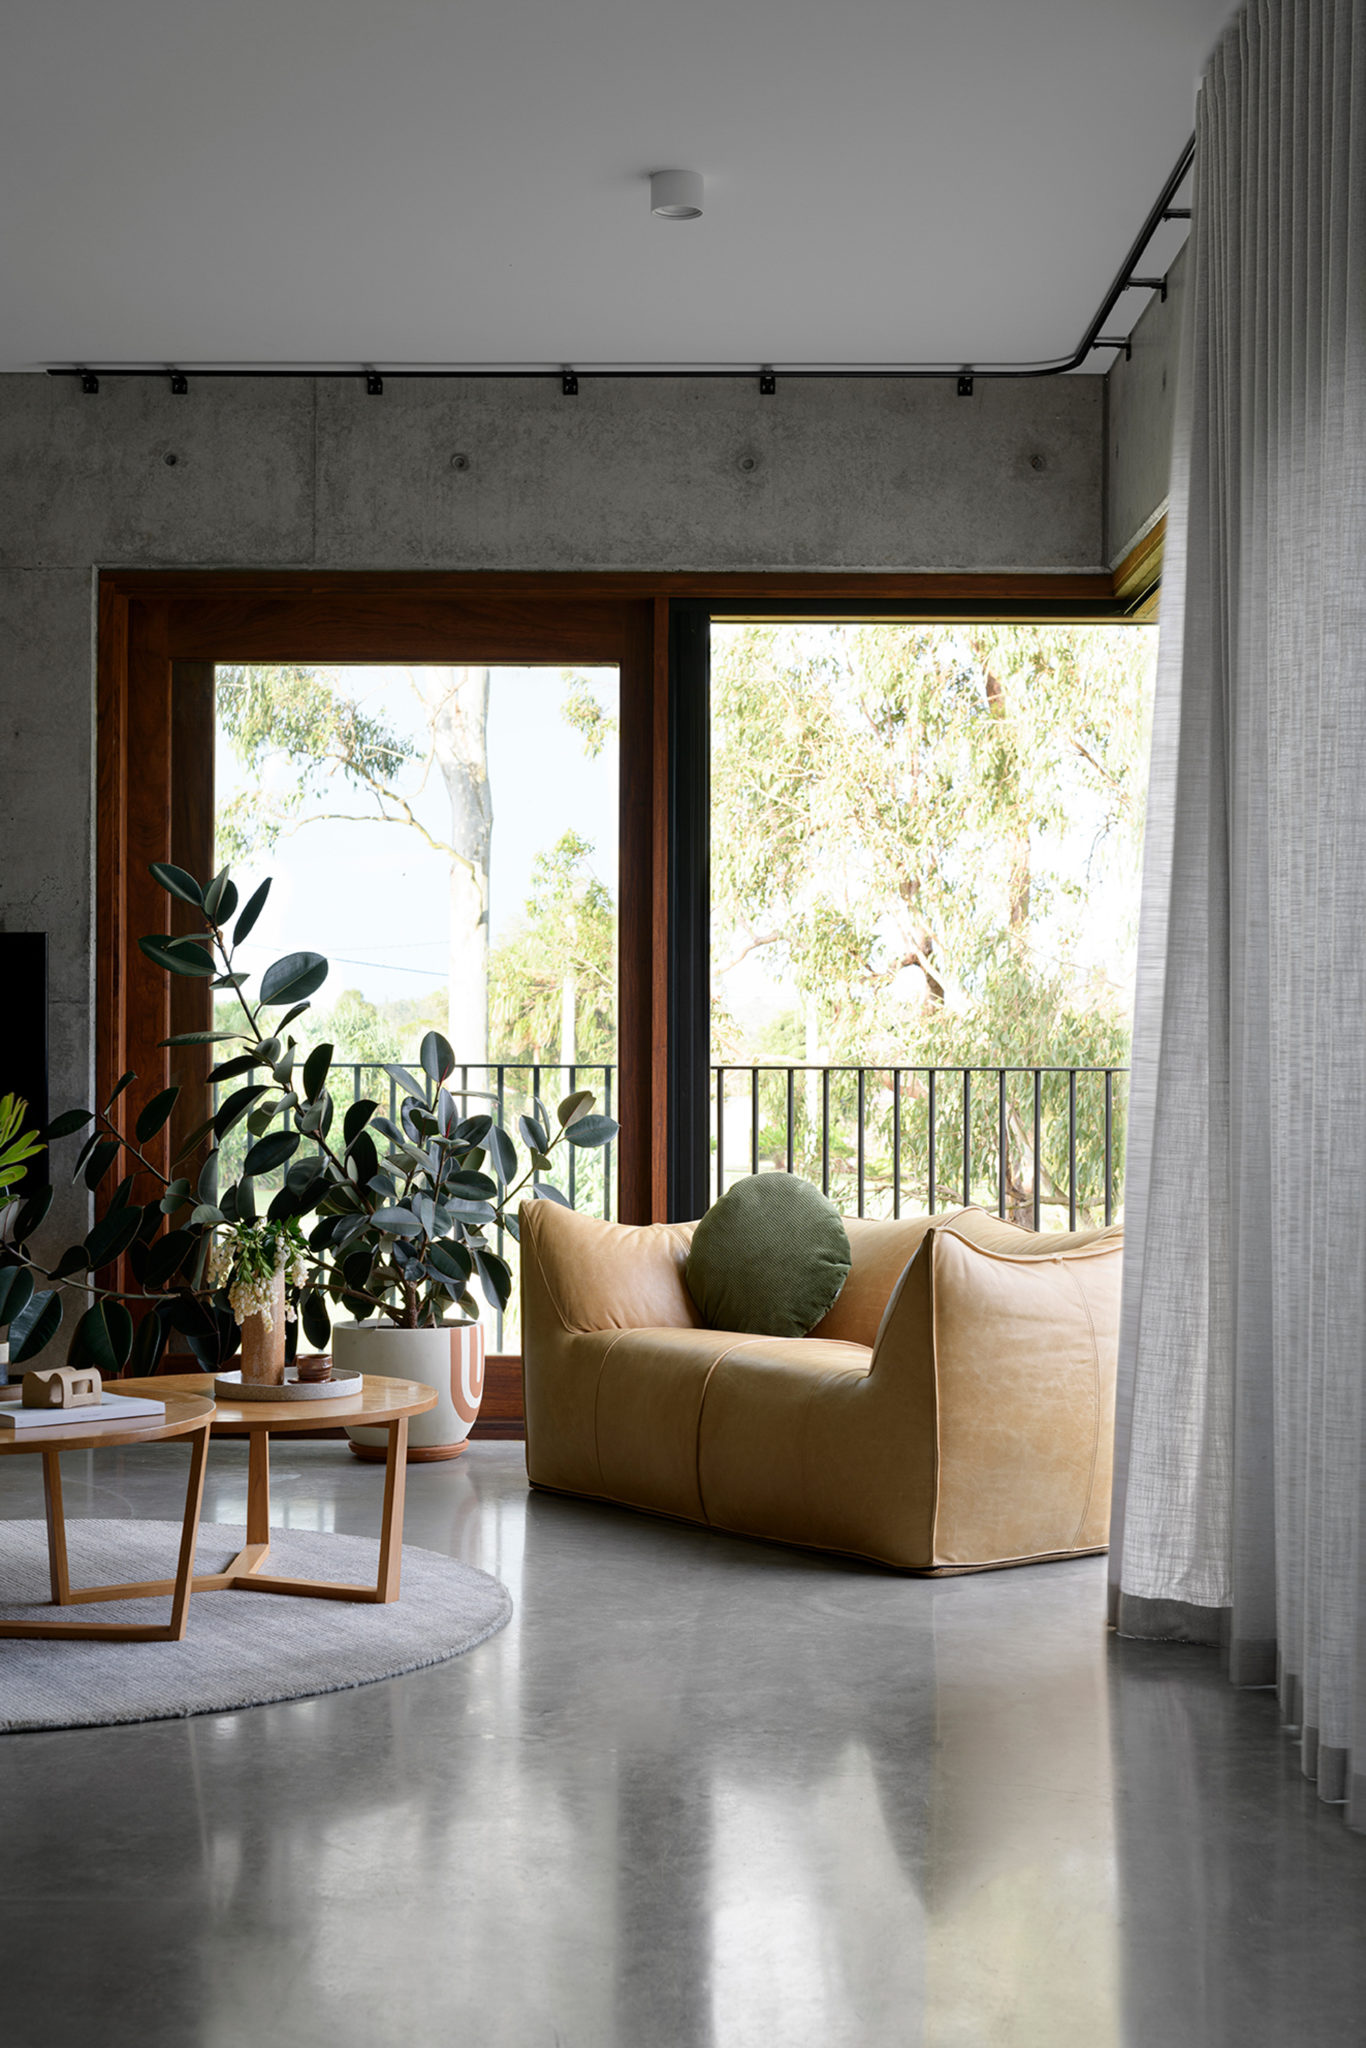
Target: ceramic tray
[{"x": 342, "y": 1386}]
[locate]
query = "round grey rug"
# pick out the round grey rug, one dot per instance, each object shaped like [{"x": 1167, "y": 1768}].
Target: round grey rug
[{"x": 240, "y": 1649}]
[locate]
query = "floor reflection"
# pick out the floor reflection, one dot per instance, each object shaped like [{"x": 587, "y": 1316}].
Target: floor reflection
[{"x": 699, "y": 1794}]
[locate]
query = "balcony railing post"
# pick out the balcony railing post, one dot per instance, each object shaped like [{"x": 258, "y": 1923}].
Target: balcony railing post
[
  {"x": 791, "y": 1114},
  {"x": 754, "y": 1120},
  {"x": 934, "y": 1140},
  {"x": 967, "y": 1137},
  {"x": 1038, "y": 1146},
  {"x": 1109, "y": 1146},
  {"x": 1001, "y": 1153},
  {"x": 720, "y": 1132},
  {"x": 825, "y": 1130},
  {"x": 862, "y": 1115},
  {"x": 896, "y": 1141},
  {"x": 1071, "y": 1148}
]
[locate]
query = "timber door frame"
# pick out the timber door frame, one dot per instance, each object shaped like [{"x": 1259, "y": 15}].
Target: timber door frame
[{"x": 160, "y": 637}]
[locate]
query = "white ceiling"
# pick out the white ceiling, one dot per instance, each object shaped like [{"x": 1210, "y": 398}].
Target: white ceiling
[{"x": 421, "y": 182}]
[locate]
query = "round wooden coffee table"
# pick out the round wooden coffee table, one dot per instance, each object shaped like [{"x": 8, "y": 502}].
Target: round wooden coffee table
[
  {"x": 188, "y": 1414},
  {"x": 381, "y": 1404}
]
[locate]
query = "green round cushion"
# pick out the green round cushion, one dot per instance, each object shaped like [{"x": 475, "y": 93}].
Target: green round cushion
[{"x": 769, "y": 1258}]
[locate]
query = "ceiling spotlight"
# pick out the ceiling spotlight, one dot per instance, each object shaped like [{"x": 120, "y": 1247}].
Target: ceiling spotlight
[{"x": 676, "y": 195}]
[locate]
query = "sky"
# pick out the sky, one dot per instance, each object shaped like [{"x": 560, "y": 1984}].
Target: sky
[{"x": 372, "y": 897}]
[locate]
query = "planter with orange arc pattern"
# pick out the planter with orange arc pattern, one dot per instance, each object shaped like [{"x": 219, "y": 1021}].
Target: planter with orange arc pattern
[{"x": 449, "y": 1358}]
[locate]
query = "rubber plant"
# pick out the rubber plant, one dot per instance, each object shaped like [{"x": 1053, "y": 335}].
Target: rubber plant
[{"x": 389, "y": 1217}]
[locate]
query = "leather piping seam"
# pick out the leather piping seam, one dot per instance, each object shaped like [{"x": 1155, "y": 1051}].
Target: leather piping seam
[
  {"x": 550, "y": 1294},
  {"x": 597, "y": 1394},
  {"x": 1082, "y": 1251},
  {"x": 701, "y": 1410},
  {"x": 1095, "y": 1431}
]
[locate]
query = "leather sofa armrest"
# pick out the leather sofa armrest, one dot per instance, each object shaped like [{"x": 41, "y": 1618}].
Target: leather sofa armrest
[{"x": 581, "y": 1273}]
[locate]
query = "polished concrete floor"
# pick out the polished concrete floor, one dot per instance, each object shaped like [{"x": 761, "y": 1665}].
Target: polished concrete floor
[{"x": 700, "y": 1794}]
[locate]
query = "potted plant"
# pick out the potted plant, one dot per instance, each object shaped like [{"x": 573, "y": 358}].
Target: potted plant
[{"x": 388, "y": 1219}]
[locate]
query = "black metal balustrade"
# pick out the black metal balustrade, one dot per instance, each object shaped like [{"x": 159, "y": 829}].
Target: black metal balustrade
[{"x": 1037, "y": 1144}]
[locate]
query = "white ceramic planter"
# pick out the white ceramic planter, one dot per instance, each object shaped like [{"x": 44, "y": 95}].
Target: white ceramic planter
[{"x": 450, "y": 1358}]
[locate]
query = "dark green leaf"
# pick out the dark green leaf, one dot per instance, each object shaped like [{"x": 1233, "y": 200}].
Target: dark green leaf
[
  {"x": 365, "y": 1159},
  {"x": 123, "y": 1082},
  {"x": 228, "y": 1070},
  {"x": 16, "y": 1291},
  {"x": 495, "y": 1277},
  {"x": 103, "y": 1338},
  {"x": 149, "y": 1344},
  {"x": 256, "y": 903},
  {"x": 272, "y": 1151},
  {"x": 179, "y": 956},
  {"x": 546, "y": 1191},
  {"x": 220, "y": 898},
  {"x": 112, "y": 1235},
  {"x": 193, "y": 1142},
  {"x": 290, "y": 1015},
  {"x": 176, "y": 882},
  {"x": 231, "y": 981},
  {"x": 198, "y": 1038},
  {"x": 35, "y": 1325},
  {"x": 593, "y": 1131},
  {"x": 316, "y": 1321},
  {"x": 315, "y": 1070},
  {"x": 502, "y": 1155},
  {"x": 296, "y": 975},
  {"x": 154, "y": 1114},
  {"x": 119, "y": 1198},
  {"x": 542, "y": 1162},
  {"x": 101, "y": 1159},
  {"x": 175, "y": 1197},
  {"x": 168, "y": 1255},
  {"x": 206, "y": 1187},
  {"x": 535, "y": 1136},
  {"x": 357, "y": 1117},
  {"x": 450, "y": 1260},
  {"x": 31, "y": 1215},
  {"x": 73, "y": 1260},
  {"x": 230, "y": 1113},
  {"x": 206, "y": 1212},
  {"x": 244, "y": 1200},
  {"x": 396, "y": 1222},
  {"x": 70, "y": 1120},
  {"x": 473, "y": 1131},
  {"x": 436, "y": 1056},
  {"x": 574, "y": 1105},
  {"x": 406, "y": 1080},
  {"x": 470, "y": 1187}
]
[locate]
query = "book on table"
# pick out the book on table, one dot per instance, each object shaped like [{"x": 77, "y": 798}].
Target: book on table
[{"x": 111, "y": 1411}]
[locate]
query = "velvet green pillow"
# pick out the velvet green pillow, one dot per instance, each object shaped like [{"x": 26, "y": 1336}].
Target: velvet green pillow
[{"x": 769, "y": 1258}]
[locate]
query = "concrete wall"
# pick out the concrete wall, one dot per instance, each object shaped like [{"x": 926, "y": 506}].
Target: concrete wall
[
  {"x": 1141, "y": 398},
  {"x": 301, "y": 473}
]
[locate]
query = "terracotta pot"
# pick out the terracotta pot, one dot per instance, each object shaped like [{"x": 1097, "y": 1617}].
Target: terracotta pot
[
  {"x": 449, "y": 1358},
  {"x": 263, "y": 1350}
]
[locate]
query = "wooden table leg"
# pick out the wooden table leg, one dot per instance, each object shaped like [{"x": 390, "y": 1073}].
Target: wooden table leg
[
  {"x": 189, "y": 1534},
  {"x": 56, "y": 1528},
  {"x": 65, "y": 1595},
  {"x": 391, "y": 1522}
]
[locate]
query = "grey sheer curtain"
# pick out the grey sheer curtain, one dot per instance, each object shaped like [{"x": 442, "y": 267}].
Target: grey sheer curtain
[{"x": 1240, "y": 1506}]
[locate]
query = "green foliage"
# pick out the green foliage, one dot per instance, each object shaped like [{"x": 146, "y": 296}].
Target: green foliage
[
  {"x": 17, "y": 1146},
  {"x": 400, "y": 1232},
  {"x": 566, "y": 937},
  {"x": 897, "y": 814},
  {"x": 305, "y": 716}
]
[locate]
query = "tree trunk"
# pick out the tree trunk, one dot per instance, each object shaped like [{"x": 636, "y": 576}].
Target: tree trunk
[
  {"x": 460, "y": 710},
  {"x": 569, "y": 1004}
]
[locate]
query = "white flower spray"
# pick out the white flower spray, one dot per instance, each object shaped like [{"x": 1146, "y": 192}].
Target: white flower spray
[{"x": 249, "y": 1258}]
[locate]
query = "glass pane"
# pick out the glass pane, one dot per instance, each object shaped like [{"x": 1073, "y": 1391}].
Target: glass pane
[
  {"x": 447, "y": 837},
  {"x": 925, "y": 859}
]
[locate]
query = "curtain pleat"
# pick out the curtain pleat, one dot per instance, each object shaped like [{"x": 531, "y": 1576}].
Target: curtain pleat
[{"x": 1240, "y": 1499}]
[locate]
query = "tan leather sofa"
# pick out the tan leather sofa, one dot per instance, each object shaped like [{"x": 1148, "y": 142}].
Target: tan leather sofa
[{"x": 953, "y": 1411}]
